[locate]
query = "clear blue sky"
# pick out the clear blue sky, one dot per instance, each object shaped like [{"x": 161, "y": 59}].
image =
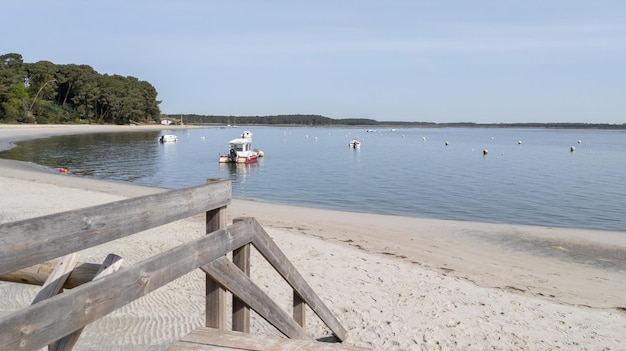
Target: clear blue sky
[{"x": 440, "y": 61}]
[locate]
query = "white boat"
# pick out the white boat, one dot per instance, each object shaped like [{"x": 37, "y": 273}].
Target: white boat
[
  {"x": 354, "y": 144},
  {"x": 240, "y": 150},
  {"x": 168, "y": 138}
]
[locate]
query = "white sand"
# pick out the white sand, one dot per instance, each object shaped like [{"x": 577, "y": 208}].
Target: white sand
[{"x": 396, "y": 283}]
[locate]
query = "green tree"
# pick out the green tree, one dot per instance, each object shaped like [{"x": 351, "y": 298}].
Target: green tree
[
  {"x": 13, "y": 94},
  {"x": 45, "y": 92}
]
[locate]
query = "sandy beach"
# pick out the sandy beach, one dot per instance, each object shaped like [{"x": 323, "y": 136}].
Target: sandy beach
[{"x": 396, "y": 283}]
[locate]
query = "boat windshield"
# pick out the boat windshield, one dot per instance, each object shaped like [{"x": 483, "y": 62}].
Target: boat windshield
[{"x": 237, "y": 147}]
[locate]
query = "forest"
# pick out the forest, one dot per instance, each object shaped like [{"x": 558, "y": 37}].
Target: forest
[
  {"x": 46, "y": 93},
  {"x": 317, "y": 120},
  {"x": 298, "y": 119}
]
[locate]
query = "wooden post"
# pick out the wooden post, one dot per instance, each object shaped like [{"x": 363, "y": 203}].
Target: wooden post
[
  {"x": 241, "y": 312},
  {"x": 112, "y": 263},
  {"x": 299, "y": 310},
  {"x": 215, "y": 293}
]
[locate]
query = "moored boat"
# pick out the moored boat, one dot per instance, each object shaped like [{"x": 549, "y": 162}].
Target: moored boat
[
  {"x": 354, "y": 144},
  {"x": 240, "y": 150},
  {"x": 168, "y": 138}
]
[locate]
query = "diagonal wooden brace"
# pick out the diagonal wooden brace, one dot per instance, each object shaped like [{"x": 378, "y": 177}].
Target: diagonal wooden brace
[{"x": 111, "y": 264}]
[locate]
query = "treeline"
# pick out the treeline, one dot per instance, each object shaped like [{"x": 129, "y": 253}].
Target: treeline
[
  {"x": 537, "y": 125},
  {"x": 309, "y": 120},
  {"x": 44, "y": 92},
  {"x": 316, "y": 120}
]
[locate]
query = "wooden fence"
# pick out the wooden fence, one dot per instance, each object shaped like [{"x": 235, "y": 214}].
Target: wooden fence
[{"x": 94, "y": 290}]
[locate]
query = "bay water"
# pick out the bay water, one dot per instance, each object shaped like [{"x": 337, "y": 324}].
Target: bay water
[{"x": 527, "y": 176}]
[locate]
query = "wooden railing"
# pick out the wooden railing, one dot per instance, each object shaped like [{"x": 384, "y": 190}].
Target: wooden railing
[{"x": 26, "y": 248}]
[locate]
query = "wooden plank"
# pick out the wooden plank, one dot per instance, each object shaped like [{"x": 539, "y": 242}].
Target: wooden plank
[
  {"x": 56, "y": 280},
  {"x": 215, "y": 308},
  {"x": 39, "y": 273},
  {"x": 112, "y": 263},
  {"x": 241, "y": 312},
  {"x": 203, "y": 339},
  {"x": 285, "y": 268},
  {"x": 240, "y": 285},
  {"x": 299, "y": 310},
  {"x": 31, "y": 241},
  {"x": 40, "y": 324}
]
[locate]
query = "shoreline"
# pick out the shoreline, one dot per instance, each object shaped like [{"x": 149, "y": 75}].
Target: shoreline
[{"x": 560, "y": 269}]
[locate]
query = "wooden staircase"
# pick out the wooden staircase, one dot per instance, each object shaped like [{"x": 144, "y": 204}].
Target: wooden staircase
[
  {"x": 91, "y": 291},
  {"x": 210, "y": 339}
]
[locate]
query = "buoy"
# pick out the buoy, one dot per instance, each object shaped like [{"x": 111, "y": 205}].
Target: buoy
[
  {"x": 447, "y": 143},
  {"x": 519, "y": 142},
  {"x": 572, "y": 149},
  {"x": 62, "y": 170},
  {"x": 580, "y": 141},
  {"x": 261, "y": 154},
  {"x": 485, "y": 151}
]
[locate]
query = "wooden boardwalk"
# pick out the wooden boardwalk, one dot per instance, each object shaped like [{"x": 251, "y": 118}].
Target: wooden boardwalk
[
  {"x": 84, "y": 292},
  {"x": 210, "y": 339}
]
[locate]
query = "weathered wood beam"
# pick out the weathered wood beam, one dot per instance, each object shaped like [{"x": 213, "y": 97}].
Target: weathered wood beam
[
  {"x": 215, "y": 308},
  {"x": 111, "y": 264},
  {"x": 266, "y": 246},
  {"x": 299, "y": 310},
  {"x": 31, "y": 241},
  {"x": 39, "y": 273},
  {"x": 41, "y": 324},
  {"x": 240, "y": 285},
  {"x": 241, "y": 312},
  {"x": 56, "y": 280}
]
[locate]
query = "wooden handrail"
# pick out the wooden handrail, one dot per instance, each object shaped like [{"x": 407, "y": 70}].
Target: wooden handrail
[
  {"x": 285, "y": 268},
  {"x": 43, "y": 323},
  {"x": 23, "y": 244},
  {"x": 242, "y": 288},
  {"x": 31, "y": 241},
  {"x": 237, "y": 282}
]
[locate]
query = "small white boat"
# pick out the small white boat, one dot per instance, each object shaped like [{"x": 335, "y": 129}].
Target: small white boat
[
  {"x": 168, "y": 138},
  {"x": 354, "y": 144},
  {"x": 240, "y": 150}
]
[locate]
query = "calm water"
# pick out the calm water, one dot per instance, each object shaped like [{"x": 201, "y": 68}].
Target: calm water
[{"x": 409, "y": 172}]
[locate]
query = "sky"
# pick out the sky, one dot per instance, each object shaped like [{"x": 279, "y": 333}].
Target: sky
[{"x": 482, "y": 61}]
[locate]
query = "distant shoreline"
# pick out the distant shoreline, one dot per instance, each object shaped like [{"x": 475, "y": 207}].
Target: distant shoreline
[
  {"x": 321, "y": 121},
  {"x": 384, "y": 124},
  {"x": 617, "y": 127}
]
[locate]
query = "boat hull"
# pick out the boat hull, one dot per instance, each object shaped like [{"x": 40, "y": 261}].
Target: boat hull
[{"x": 239, "y": 159}]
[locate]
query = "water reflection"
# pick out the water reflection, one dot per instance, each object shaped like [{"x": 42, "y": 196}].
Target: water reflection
[
  {"x": 116, "y": 156},
  {"x": 239, "y": 171}
]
